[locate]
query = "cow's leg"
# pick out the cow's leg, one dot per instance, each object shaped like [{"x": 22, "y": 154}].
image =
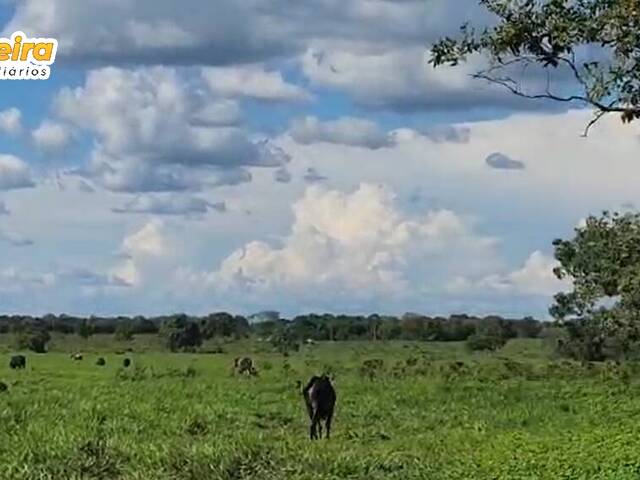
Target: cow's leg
[
  {"x": 328, "y": 424},
  {"x": 315, "y": 423}
]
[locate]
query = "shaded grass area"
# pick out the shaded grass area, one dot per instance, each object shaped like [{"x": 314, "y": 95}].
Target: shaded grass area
[{"x": 430, "y": 411}]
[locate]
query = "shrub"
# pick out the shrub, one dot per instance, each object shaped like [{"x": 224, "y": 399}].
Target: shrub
[{"x": 479, "y": 342}]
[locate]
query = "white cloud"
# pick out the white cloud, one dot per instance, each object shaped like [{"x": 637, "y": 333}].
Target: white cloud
[
  {"x": 149, "y": 240},
  {"x": 14, "y": 280},
  {"x": 534, "y": 278},
  {"x": 343, "y": 131},
  {"x": 402, "y": 79},
  {"x": 154, "y": 31},
  {"x": 14, "y": 173},
  {"x": 11, "y": 121},
  {"x": 252, "y": 81},
  {"x": 142, "y": 250},
  {"x": 344, "y": 247},
  {"x": 227, "y": 31},
  {"x": 155, "y": 132},
  {"x": 52, "y": 136}
]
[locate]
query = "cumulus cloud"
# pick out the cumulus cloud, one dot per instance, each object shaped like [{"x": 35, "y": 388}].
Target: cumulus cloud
[
  {"x": 13, "y": 280},
  {"x": 227, "y": 31},
  {"x": 353, "y": 245},
  {"x": 146, "y": 137},
  {"x": 500, "y": 161},
  {"x": 534, "y": 278},
  {"x": 155, "y": 31},
  {"x": 253, "y": 82},
  {"x": 11, "y": 121},
  {"x": 401, "y": 79},
  {"x": 14, "y": 173},
  {"x": 373, "y": 50},
  {"x": 171, "y": 204},
  {"x": 343, "y": 131},
  {"x": 149, "y": 240},
  {"x": 140, "y": 250},
  {"x": 52, "y": 136},
  {"x": 218, "y": 113}
]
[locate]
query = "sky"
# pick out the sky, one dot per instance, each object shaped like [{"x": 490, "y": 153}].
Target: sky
[{"x": 290, "y": 156}]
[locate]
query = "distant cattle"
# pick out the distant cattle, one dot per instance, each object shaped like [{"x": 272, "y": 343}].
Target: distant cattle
[
  {"x": 126, "y": 362},
  {"x": 18, "y": 361},
  {"x": 3, "y": 387},
  {"x": 101, "y": 362},
  {"x": 244, "y": 365},
  {"x": 320, "y": 399},
  {"x": 76, "y": 356}
]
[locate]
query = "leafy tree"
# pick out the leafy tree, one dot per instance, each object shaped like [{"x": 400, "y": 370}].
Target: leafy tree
[
  {"x": 181, "y": 333},
  {"x": 595, "y": 42},
  {"x": 85, "y": 328},
  {"x": 32, "y": 337},
  {"x": 603, "y": 261},
  {"x": 124, "y": 330},
  {"x": 285, "y": 341},
  {"x": 38, "y": 340}
]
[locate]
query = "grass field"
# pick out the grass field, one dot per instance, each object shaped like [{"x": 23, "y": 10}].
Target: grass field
[{"x": 516, "y": 414}]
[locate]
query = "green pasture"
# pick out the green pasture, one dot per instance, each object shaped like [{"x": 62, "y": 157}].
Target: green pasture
[{"x": 434, "y": 411}]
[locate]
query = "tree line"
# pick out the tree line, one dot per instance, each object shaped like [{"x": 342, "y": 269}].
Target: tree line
[{"x": 185, "y": 332}]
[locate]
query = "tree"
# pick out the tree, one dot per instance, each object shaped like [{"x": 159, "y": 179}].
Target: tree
[
  {"x": 285, "y": 341},
  {"x": 124, "y": 330},
  {"x": 33, "y": 336},
  {"x": 603, "y": 262},
  {"x": 85, "y": 328},
  {"x": 595, "y": 42},
  {"x": 181, "y": 333}
]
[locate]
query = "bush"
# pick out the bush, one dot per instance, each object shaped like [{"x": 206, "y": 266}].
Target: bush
[
  {"x": 479, "y": 342},
  {"x": 35, "y": 341}
]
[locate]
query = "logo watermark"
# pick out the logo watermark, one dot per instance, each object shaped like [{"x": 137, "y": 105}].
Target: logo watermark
[{"x": 24, "y": 58}]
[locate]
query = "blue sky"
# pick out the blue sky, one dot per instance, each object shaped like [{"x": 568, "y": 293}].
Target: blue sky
[{"x": 262, "y": 155}]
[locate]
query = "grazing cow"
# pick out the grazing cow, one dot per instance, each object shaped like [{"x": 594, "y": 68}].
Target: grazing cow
[
  {"x": 76, "y": 357},
  {"x": 244, "y": 365},
  {"x": 320, "y": 400},
  {"x": 101, "y": 362},
  {"x": 3, "y": 387},
  {"x": 126, "y": 362},
  {"x": 18, "y": 361}
]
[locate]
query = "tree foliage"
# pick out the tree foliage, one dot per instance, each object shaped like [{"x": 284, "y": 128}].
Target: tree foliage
[
  {"x": 597, "y": 42},
  {"x": 181, "y": 333},
  {"x": 603, "y": 308}
]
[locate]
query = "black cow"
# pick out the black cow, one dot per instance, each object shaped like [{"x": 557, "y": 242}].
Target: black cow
[
  {"x": 320, "y": 400},
  {"x": 101, "y": 362},
  {"x": 18, "y": 361},
  {"x": 126, "y": 362}
]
